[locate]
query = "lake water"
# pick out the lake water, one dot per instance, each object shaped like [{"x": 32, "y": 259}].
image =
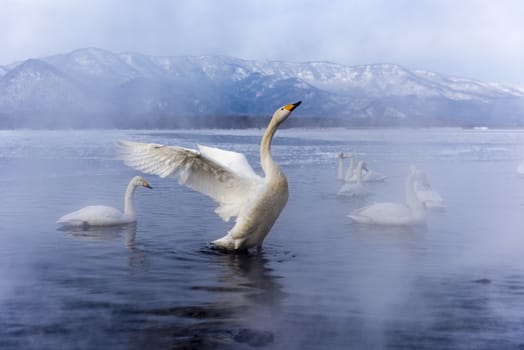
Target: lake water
[{"x": 320, "y": 282}]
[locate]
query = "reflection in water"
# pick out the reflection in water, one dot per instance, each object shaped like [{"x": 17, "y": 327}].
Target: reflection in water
[
  {"x": 137, "y": 259},
  {"x": 251, "y": 272},
  {"x": 244, "y": 285},
  {"x": 102, "y": 233}
]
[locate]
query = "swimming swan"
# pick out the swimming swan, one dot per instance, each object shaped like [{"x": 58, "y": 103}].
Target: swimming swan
[
  {"x": 368, "y": 176},
  {"x": 373, "y": 176},
  {"x": 227, "y": 177},
  {"x": 101, "y": 215},
  {"x": 410, "y": 213},
  {"x": 356, "y": 189}
]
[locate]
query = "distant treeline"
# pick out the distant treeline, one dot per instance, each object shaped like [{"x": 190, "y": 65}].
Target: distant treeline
[{"x": 135, "y": 121}]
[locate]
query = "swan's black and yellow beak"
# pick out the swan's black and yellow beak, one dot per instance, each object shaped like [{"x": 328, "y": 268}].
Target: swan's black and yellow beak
[
  {"x": 145, "y": 184},
  {"x": 292, "y": 106}
]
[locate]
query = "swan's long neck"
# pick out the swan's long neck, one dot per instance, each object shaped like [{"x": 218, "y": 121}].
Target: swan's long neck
[
  {"x": 269, "y": 166},
  {"x": 349, "y": 174},
  {"x": 359, "y": 173},
  {"x": 411, "y": 197},
  {"x": 340, "y": 175},
  {"x": 129, "y": 208},
  {"x": 350, "y": 168}
]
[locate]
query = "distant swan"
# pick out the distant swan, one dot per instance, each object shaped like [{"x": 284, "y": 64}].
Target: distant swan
[
  {"x": 226, "y": 177},
  {"x": 410, "y": 213},
  {"x": 373, "y": 176},
  {"x": 356, "y": 189},
  {"x": 101, "y": 215},
  {"x": 368, "y": 176},
  {"x": 430, "y": 198}
]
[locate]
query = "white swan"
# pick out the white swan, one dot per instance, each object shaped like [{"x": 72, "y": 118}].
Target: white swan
[
  {"x": 368, "y": 176},
  {"x": 410, "y": 213},
  {"x": 430, "y": 198},
  {"x": 226, "y": 177},
  {"x": 356, "y": 189},
  {"x": 101, "y": 215},
  {"x": 373, "y": 176}
]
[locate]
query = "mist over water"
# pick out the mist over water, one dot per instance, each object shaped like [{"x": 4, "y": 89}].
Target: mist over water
[{"x": 320, "y": 281}]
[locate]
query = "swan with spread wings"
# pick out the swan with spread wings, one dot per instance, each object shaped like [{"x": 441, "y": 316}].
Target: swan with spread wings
[{"x": 226, "y": 177}]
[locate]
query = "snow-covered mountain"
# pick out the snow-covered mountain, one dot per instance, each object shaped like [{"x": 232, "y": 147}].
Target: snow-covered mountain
[{"x": 97, "y": 88}]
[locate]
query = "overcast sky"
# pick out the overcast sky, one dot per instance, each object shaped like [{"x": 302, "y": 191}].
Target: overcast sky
[{"x": 482, "y": 39}]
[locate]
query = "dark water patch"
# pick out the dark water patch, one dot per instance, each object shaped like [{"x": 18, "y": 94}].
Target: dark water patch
[
  {"x": 197, "y": 312},
  {"x": 219, "y": 288},
  {"x": 212, "y": 327},
  {"x": 253, "y": 337},
  {"x": 482, "y": 281}
]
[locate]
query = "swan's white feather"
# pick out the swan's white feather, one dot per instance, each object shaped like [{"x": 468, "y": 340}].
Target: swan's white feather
[
  {"x": 101, "y": 215},
  {"x": 388, "y": 213},
  {"x": 94, "y": 215},
  {"x": 373, "y": 176},
  {"x": 235, "y": 161},
  {"x": 385, "y": 213},
  {"x": 430, "y": 198},
  {"x": 425, "y": 194},
  {"x": 356, "y": 189},
  {"x": 227, "y": 178},
  {"x": 222, "y": 175}
]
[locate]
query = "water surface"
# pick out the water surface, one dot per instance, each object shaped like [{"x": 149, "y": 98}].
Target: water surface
[{"x": 320, "y": 282}]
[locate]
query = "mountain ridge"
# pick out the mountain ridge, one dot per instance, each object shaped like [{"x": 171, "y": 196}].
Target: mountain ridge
[{"x": 92, "y": 87}]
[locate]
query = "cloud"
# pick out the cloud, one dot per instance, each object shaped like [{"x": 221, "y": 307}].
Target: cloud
[{"x": 479, "y": 39}]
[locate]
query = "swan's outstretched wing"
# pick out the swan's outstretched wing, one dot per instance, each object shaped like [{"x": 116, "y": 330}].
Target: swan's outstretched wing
[
  {"x": 224, "y": 176},
  {"x": 228, "y": 159}
]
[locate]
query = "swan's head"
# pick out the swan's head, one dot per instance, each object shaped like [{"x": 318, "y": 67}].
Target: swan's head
[
  {"x": 362, "y": 164},
  {"x": 139, "y": 181},
  {"x": 283, "y": 112},
  {"x": 341, "y": 155}
]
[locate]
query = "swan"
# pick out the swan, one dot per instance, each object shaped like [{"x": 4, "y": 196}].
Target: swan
[
  {"x": 368, "y": 176},
  {"x": 227, "y": 177},
  {"x": 373, "y": 176},
  {"x": 356, "y": 189},
  {"x": 386, "y": 213},
  {"x": 430, "y": 198},
  {"x": 101, "y": 215}
]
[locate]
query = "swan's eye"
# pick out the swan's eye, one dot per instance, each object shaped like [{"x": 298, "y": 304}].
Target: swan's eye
[{"x": 282, "y": 108}]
